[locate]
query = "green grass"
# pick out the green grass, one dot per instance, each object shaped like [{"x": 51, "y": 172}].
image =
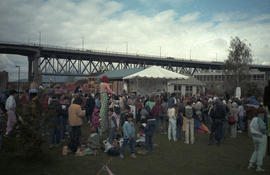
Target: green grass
[{"x": 172, "y": 158}]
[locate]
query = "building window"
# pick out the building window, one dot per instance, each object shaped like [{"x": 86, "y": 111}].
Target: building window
[{"x": 188, "y": 88}]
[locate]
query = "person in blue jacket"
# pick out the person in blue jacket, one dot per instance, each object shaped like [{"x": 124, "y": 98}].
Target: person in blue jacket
[{"x": 129, "y": 137}]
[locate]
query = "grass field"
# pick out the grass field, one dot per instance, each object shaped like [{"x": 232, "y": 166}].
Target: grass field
[{"x": 168, "y": 158}]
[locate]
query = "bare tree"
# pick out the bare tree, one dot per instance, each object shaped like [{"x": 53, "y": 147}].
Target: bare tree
[{"x": 236, "y": 67}]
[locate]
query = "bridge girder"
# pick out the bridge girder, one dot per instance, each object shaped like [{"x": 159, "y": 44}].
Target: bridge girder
[{"x": 59, "y": 66}]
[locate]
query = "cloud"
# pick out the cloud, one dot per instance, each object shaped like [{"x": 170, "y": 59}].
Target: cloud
[
  {"x": 107, "y": 25},
  {"x": 190, "y": 17}
]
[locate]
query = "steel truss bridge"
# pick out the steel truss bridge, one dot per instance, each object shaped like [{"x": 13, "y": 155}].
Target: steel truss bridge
[{"x": 60, "y": 61}]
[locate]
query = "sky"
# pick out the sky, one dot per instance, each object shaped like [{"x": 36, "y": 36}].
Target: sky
[{"x": 196, "y": 29}]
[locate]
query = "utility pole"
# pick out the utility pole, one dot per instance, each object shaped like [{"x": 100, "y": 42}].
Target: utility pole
[{"x": 160, "y": 51}]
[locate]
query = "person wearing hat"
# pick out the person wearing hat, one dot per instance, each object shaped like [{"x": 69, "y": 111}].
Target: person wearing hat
[
  {"x": 11, "y": 109},
  {"x": 258, "y": 132},
  {"x": 104, "y": 90}
]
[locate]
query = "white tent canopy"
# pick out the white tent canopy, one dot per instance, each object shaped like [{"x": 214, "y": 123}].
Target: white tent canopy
[{"x": 156, "y": 72}]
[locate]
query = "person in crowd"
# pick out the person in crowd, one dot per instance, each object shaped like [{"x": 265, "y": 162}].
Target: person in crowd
[
  {"x": 234, "y": 115},
  {"x": 122, "y": 102},
  {"x": 4, "y": 97},
  {"x": 117, "y": 113},
  {"x": 25, "y": 98},
  {"x": 55, "y": 111},
  {"x": 225, "y": 123},
  {"x": 258, "y": 131},
  {"x": 93, "y": 143},
  {"x": 181, "y": 111},
  {"x": 150, "y": 103},
  {"x": 172, "y": 101},
  {"x": 124, "y": 115},
  {"x": 189, "y": 114},
  {"x": 156, "y": 113},
  {"x": 75, "y": 120},
  {"x": 139, "y": 106},
  {"x": 198, "y": 109},
  {"x": 164, "y": 116},
  {"x": 129, "y": 137},
  {"x": 64, "y": 117},
  {"x": 266, "y": 103},
  {"x": 241, "y": 116},
  {"x": 2, "y": 126},
  {"x": 218, "y": 115},
  {"x": 95, "y": 119},
  {"x": 104, "y": 90},
  {"x": 97, "y": 100},
  {"x": 90, "y": 105},
  {"x": 11, "y": 111},
  {"x": 144, "y": 114},
  {"x": 112, "y": 125},
  {"x": 252, "y": 106},
  {"x": 172, "y": 114},
  {"x": 149, "y": 133}
]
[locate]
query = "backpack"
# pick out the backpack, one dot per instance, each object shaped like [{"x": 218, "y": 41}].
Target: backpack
[{"x": 188, "y": 112}]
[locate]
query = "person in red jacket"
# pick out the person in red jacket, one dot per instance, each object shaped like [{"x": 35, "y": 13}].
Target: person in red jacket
[{"x": 156, "y": 113}]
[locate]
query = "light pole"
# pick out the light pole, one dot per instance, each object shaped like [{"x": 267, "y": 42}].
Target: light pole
[
  {"x": 39, "y": 39},
  {"x": 19, "y": 72},
  {"x": 126, "y": 47},
  {"x": 82, "y": 42}
]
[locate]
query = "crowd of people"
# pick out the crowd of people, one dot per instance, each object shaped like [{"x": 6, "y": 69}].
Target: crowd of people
[{"x": 127, "y": 119}]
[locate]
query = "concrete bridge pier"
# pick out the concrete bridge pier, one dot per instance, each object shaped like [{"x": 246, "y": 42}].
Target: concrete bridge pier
[{"x": 34, "y": 74}]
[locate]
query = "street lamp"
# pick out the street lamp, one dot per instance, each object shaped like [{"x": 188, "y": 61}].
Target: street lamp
[
  {"x": 126, "y": 47},
  {"x": 39, "y": 39},
  {"x": 19, "y": 72},
  {"x": 82, "y": 42},
  {"x": 160, "y": 51}
]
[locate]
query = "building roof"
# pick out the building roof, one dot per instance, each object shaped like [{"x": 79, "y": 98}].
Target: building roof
[
  {"x": 155, "y": 72},
  {"x": 119, "y": 74}
]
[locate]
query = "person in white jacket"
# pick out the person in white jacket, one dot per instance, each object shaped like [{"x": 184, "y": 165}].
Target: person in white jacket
[
  {"x": 258, "y": 131},
  {"x": 172, "y": 122},
  {"x": 11, "y": 108}
]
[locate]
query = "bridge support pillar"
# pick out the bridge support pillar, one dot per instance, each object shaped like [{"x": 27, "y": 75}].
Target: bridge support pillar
[
  {"x": 33, "y": 69},
  {"x": 30, "y": 69}
]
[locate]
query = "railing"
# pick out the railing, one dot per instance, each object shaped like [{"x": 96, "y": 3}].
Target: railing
[
  {"x": 82, "y": 51},
  {"x": 88, "y": 51}
]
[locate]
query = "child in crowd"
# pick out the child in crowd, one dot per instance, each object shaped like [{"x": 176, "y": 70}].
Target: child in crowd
[
  {"x": 96, "y": 119},
  {"x": 124, "y": 115},
  {"x": 129, "y": 136},
  {"x": 112, "y": 125},
  {"x": 92, "y": 143}
]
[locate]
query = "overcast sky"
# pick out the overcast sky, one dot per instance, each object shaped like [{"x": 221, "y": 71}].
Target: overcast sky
[{"x": 200, "y": 29}]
